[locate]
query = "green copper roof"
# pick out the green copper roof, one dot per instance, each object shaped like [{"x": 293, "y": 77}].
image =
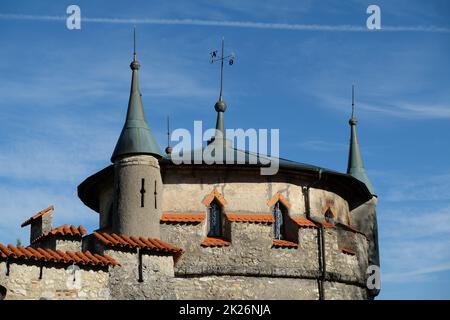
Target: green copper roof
[
  {"x": 355, "y": 163},
  {"x": 136, "y": 137}
]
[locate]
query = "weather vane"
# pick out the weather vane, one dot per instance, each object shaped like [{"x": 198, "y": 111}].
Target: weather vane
[{"x": 229, "y": 58}]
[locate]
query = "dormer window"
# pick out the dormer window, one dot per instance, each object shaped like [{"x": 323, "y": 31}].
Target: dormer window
[
  {"x": 215, "y": 202},
  {"x": 329, "y": 216},
  {"x": 329, "y": 212},
  {"x": 215, "y": 219},
  {"x": 280, "y": 218}
]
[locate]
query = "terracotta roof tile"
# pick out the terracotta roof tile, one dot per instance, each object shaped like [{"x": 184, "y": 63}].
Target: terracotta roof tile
[
  {"x": 284, "y": 244},
  {"x": 214, "y": 195},
  {"x": 64, "y": 230},
  {"x": 304, "y": 222},
  {"x": 151, "y": 244},
  {"x": 347, "y": 251},
  {"x": 48, "y": 255},
  {"x": 37, "y": 215},
  {"x": 278, "y": 197},
  {"x": 258, "y": 218},
  {"x": 215, "y": 242},
  {"x": 186, "y": 218}
]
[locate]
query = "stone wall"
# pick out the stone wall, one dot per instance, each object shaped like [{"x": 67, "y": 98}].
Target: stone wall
[
  {"x": 64, "y": 243},
  {"x": 153, "y": 280},
  {"x": 251, "y": 253},
  {"x": 29, "y": 281},
  {"x": 238, "y": 287},
  {"x": 40, "y": 225}
]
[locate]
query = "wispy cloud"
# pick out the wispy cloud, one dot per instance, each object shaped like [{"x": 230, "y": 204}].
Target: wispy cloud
[
  {"x": 415, "y": 243},
  {"x": 232, "y": 24},
  {"x": 407, "y": 110},
  {"x": 323, "y": 146},
  {"x": 431, "y": 188},
  {"x": 401, "y": 109},
  {"x": 413, "y": 275}
]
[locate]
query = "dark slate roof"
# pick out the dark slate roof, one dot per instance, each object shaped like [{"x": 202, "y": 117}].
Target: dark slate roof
[
  {"x": 136, "y": 137},
  {"x": 345, "y": 185}
]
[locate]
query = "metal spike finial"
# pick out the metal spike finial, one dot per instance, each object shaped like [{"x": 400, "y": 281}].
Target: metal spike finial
[
  {"x": 134, "y": 43},
  {"x": 168, "y": 148},
  {"x": 353, "y": 101}
]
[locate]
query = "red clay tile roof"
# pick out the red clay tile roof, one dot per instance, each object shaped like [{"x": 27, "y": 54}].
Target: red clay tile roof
[
  {"x": 278, "y": 197},
  {"x": 347, "y": 251},
  {"x": 150, "y": 244},
  {"x": 284, "y": 244},
  {"x": 37, "y": 215},
  {"x": 215, "y": 242},
  {"x": 304, "y": 222},
  {"x": 187, "y": 218},
  {"x": 261, "y": 218},
  {"x": 48, "y": 255},
  {"x": 214, "y": 195},
  {"x": 64, "y": 230}
]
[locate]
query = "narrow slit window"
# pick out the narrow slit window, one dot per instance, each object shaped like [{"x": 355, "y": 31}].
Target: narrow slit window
[
  {"x": 155, "y": 195},
  {"x": 142, "y": 193}
]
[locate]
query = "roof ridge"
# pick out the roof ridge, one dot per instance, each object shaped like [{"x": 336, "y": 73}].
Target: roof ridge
[{"x": 48, "y": 255}]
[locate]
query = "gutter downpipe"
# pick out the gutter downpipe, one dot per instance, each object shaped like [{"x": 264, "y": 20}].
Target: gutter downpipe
[{"x": 320, "y": 238}]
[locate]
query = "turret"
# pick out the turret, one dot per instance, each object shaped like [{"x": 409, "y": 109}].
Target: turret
[
  {"x": 355, "y": 163},
  {"x": 137, "y": 177},
  {"x": 363, "y": 218}
]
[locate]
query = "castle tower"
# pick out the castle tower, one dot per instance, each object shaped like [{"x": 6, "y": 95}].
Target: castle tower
[{"x": 137, "y": 177}]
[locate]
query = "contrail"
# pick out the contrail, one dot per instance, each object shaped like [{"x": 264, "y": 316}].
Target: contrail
[{"x": 232, "y": 24}]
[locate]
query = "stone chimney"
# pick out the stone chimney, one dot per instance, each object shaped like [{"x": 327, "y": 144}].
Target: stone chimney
[{"x": 41, "y": 222}]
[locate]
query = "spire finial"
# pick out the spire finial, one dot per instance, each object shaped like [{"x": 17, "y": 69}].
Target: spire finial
[
  {"x": 221, "y": 70},
  {"x": 353, "y": 120},
  {"x": 353, "y": 100},
  {"x": 134, "y": 43},
  {"x": 134, "y": 64},
  {"x": 168, "y": 148}
]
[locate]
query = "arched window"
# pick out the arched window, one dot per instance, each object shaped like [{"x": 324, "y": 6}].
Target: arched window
[
  {"x": 280, "y": 217},
  {"x": 2, "y": 293},
  {"x": 215, "y": 219}
]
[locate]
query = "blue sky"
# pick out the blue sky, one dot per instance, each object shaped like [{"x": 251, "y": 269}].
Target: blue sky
[{"x": 63, "y": 98}]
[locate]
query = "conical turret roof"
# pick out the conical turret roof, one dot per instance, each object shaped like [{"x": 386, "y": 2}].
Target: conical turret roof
[
  {"x": 355, "y": 165},
  {"x": 136, "y": 137}
]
